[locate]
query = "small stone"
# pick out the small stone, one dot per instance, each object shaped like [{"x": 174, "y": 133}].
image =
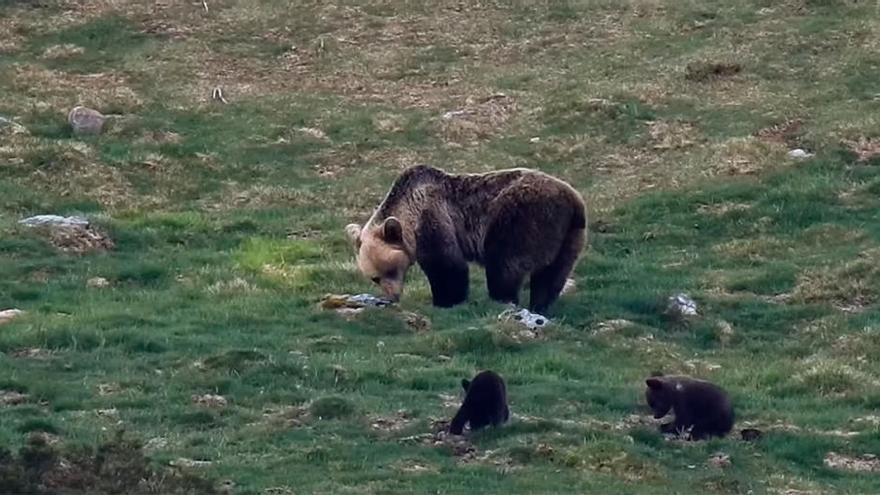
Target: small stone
[
  {"x": 799, "y": 154},
  {"x": 313, "y": 132},
  {"x": 719, "y": 460},
  {"x": 455, "y": 113},
  {"x": 725, "y": 332},
  {"x": 8, "y": 315},
  {"x": 86, "y": 120},
  {"x": 97, "y": 283},
  {"x": 189, "y": 463},
  {"x": 209, "y": 400},
  {"x": 535, "y": 140},
  {"x": 10, "y": 127}
]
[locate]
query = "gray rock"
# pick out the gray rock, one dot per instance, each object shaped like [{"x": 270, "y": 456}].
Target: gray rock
[
  {"x": 369, "y": 300},
  {"x": 85, "y": 120},
  {"x": 54, "y": 221},
  {"x": 681, "y": 305}
]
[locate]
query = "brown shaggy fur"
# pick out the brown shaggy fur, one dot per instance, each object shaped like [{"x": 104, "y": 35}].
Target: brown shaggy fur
[{"x": 516, "y": 223}]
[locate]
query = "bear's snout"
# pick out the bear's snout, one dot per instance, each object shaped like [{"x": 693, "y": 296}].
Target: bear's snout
[{"x": 392, "y": 290}]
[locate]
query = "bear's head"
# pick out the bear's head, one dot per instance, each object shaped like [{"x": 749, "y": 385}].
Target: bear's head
[
  {"x": 381, "y": 255},
  {"x": 659, "y": 395}
]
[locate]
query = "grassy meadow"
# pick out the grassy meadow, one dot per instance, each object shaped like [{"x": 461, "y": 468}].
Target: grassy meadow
[{"x": 207, "y": 346}]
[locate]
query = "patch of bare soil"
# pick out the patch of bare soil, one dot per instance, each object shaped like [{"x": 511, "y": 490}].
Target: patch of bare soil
[
  {"x": 399, "y": 421},
  {"x": 210, "y": 401},
  {"x": 60, "y": 90},
  {"x": 711, "y": 71},
  {"x": 672, "y": 135},
  {"x": 286, "y": 416},
  {"x": 458, "y": 445},
  {"x": 866, "y": 463},
  {"x": 78, "y": 239},
  {"x": 105, "y": 389},
  {"x": 611, "y": 326},
  {"x": 32, "y": 353},
  {"x": 849, "y": 288},
  {"x": 784, "y": 132},
  {"x": 477, "y": 119},
  {"x": 865, "y": 148},
  {"x": 12, "y": 398}
]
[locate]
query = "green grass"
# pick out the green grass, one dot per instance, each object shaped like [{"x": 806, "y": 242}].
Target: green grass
[{"x": 228, "y": 223}]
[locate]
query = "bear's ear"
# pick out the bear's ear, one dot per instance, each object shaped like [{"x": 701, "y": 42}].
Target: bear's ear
[
  {"x": 654, "y": 383},
  {"x": 465, "y": 384},
  {"x": 392, "y": 231},
  {"x": 353, "y": 231}
]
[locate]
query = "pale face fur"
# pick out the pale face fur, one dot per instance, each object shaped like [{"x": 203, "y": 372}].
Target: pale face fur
[{"x": 381, "y": 256}]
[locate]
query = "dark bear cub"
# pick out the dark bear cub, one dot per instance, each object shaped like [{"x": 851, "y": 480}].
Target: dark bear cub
[
  {"x": 699, "y": 406},
  {"x": 485, "y": 403}
]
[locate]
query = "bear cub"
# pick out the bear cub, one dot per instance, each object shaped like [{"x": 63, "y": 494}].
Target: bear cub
[
  {"x": 699, "y": 406},
  {"x": 485, "y": 403}
]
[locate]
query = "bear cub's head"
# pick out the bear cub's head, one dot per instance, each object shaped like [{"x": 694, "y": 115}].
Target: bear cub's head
[
  {"x": 659, "y": 395},
  {"x": 381, "y": 256}
]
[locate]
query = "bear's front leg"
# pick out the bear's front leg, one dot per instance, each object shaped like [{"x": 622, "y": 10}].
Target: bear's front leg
[
  {"x": 449, "y": 281},
  {"x": 440, "y": 257}
]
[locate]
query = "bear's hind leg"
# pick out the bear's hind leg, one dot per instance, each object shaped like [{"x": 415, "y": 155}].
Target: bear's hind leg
[
  {"x": 503, "y": 286},
  {"x": 449, "y": 282},
  {"x": 546, "y": 284},
  {"x": 480, "y": 421}
]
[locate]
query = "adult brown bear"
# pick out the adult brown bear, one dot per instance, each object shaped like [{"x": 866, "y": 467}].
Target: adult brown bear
[{"x": 516, "y": 223}]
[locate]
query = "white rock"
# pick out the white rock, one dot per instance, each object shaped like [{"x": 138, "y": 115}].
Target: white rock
[
  {"x": 799, "y": 154},
  {"x": 455, "y": 113},
  {"x": 55, "y": 221},
  {"x": 97, "y": 282},
  {"x": 8, "y": 315}
]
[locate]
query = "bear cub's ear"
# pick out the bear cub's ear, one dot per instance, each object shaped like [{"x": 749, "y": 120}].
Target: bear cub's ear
[
  {"x": 392, "y": 231},
  {"x": 465, "y": 384},
  {"x": 654, "y": 383},
  {"x": 353, "y": 231}
]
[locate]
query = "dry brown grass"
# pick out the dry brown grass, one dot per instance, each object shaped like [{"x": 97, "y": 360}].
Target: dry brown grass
[{"x": 849, "y": 287}]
